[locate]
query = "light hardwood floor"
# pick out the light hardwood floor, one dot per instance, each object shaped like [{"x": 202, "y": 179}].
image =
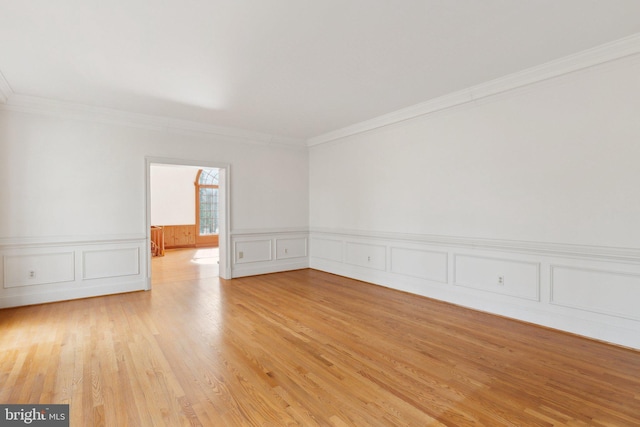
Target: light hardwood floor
[{"x": 303, "y": 348}]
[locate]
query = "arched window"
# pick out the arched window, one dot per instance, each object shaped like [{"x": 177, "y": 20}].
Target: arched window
[{"x": 207, "y": 224}]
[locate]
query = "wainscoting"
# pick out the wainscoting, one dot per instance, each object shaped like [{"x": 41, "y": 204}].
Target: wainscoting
[
  {"x": 590, "y": 291},
  {"x": 261, "y": 252},
  {"x": 33, "y": 272}
]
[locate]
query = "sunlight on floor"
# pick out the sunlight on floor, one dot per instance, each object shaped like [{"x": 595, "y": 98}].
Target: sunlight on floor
[
  {"x": 208, "y": 256},
  {"x": 185, "y": 264}
]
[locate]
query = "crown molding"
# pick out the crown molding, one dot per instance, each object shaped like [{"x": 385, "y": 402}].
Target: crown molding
[
  {"x": 70, "y": 110},
  {"x": 588, "y": 58},
  {"x": 5, "y": 90}
]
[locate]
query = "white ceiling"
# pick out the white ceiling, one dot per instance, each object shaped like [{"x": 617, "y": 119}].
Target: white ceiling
[{"x": 292, "y": 68}]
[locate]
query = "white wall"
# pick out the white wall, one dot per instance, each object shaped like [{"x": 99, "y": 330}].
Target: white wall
[
  {"x": 557, "y": 162},
  {"x": 77, "y": 178},
  {"x": 529, "y": 184},
  {"x": 173, "y": 194},
  {"x": 72, "y": 186}
]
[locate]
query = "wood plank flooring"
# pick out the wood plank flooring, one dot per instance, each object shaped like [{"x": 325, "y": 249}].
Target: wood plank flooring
[{"x": 303, "y": 348}]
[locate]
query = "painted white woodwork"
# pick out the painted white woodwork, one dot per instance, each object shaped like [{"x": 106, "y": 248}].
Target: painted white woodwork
[
  {"x": 428, "y": 265},
  {"x": 98, "y": 264},
  {"x": 535, "y": 181},
  {"x": 26, "y": 268},
  {"x": 328, "y": 249},
  {"x": 591, "y": 291},
  {"x": 366, "y": 255},
  {"x": 291, "y": 247},
  {"x": 498, "y": 275},
  {"x": 615, "y": 293},
  {"x": 249, "y": 251},
  {"x": 615, "y": 50},
  {"x": 507, "y": 186},
  {"x": 91, "y": 181},
  {"x": 268, "y": 251},
  {"x": 34, "y": 272},
  {"x": 298, "y": 69}
]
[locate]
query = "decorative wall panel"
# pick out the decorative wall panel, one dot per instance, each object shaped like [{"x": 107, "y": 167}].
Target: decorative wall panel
[
  {"x": 327, "y": 249},
  {"x": 34, "y": 272},
  {"x": 501, "y": 276},
  {"x": 249, "y": 251},
  {"x": 97, "y": 264},
  {"x": 366, "y": 255},
  {"x": 606, "y": 292},
  {"x": 38, "y": 269},
  {"x": 590, "y": 291},
  {"x": 291, "y": 248},
  {"x": 428, "y": 265},
  {"x": 268, "y": 251}
]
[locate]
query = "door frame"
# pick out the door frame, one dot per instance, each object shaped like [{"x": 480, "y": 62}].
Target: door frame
[{"x": 224, "y": 207}]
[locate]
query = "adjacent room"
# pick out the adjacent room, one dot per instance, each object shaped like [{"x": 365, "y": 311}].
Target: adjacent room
[
  {"x": 331, "y": 213},
  {"x": 185, "y": 217}
]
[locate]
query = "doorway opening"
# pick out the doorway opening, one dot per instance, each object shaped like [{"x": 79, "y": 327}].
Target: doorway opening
[
  {"x": 188, "y": 210},
  {"x": 207, "y": 216}
]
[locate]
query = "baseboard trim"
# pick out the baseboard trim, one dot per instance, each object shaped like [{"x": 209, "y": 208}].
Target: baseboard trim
[
  {"x": 68, "y": 294},
  {"x": 268, "y": 269},
  {"x": 526, "y": 294}
]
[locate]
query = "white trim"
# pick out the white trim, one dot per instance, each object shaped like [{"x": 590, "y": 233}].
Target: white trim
[
  {"x": 15, "y": 242},
  {"x": 503, "y": 290},
  {"x": 598, "y": 55},
  {"x": 67, "y": 294},
  {"x": 269, "y": 231},
  {"x": 268, "y": 268},
  {"x": 552, "y": 286},
  {"x": 69, "y": 110},
  {"x": 596, "y": 321},
  {"x": 628, "y": 255},
  {"x": 225, "y": 241},
  {"x": 253, "y": 263},
  {"x": 68, "y": 279},
  {"x": 431, "y": 278},
  {"x": 268, "y": 256}
]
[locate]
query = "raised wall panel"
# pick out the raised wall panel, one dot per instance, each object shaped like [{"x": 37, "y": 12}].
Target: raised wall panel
[
  {"x": 38, "y": 269},
  {"x": 291, "y": 248},
  {"x": 328, "y": 249},
  {"x": 248, "y": 251},
  {"x": 268, "y": 251},
  {"x": 110, "y": 263},
  {"x": 585, "y": 290},
  {"x": 366, "y": 255},
  {"x": 605, "y": 292},
  {"x": 68, "y": 269},
  {"x": 520, "y": 279},
  {"x": 428, "y": 265}
]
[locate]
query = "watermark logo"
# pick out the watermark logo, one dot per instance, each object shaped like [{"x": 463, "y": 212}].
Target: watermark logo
[{"x": 34, "y": 415}]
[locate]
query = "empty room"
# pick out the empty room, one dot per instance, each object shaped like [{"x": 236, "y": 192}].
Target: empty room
[{"x": 320, "y": 213}]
